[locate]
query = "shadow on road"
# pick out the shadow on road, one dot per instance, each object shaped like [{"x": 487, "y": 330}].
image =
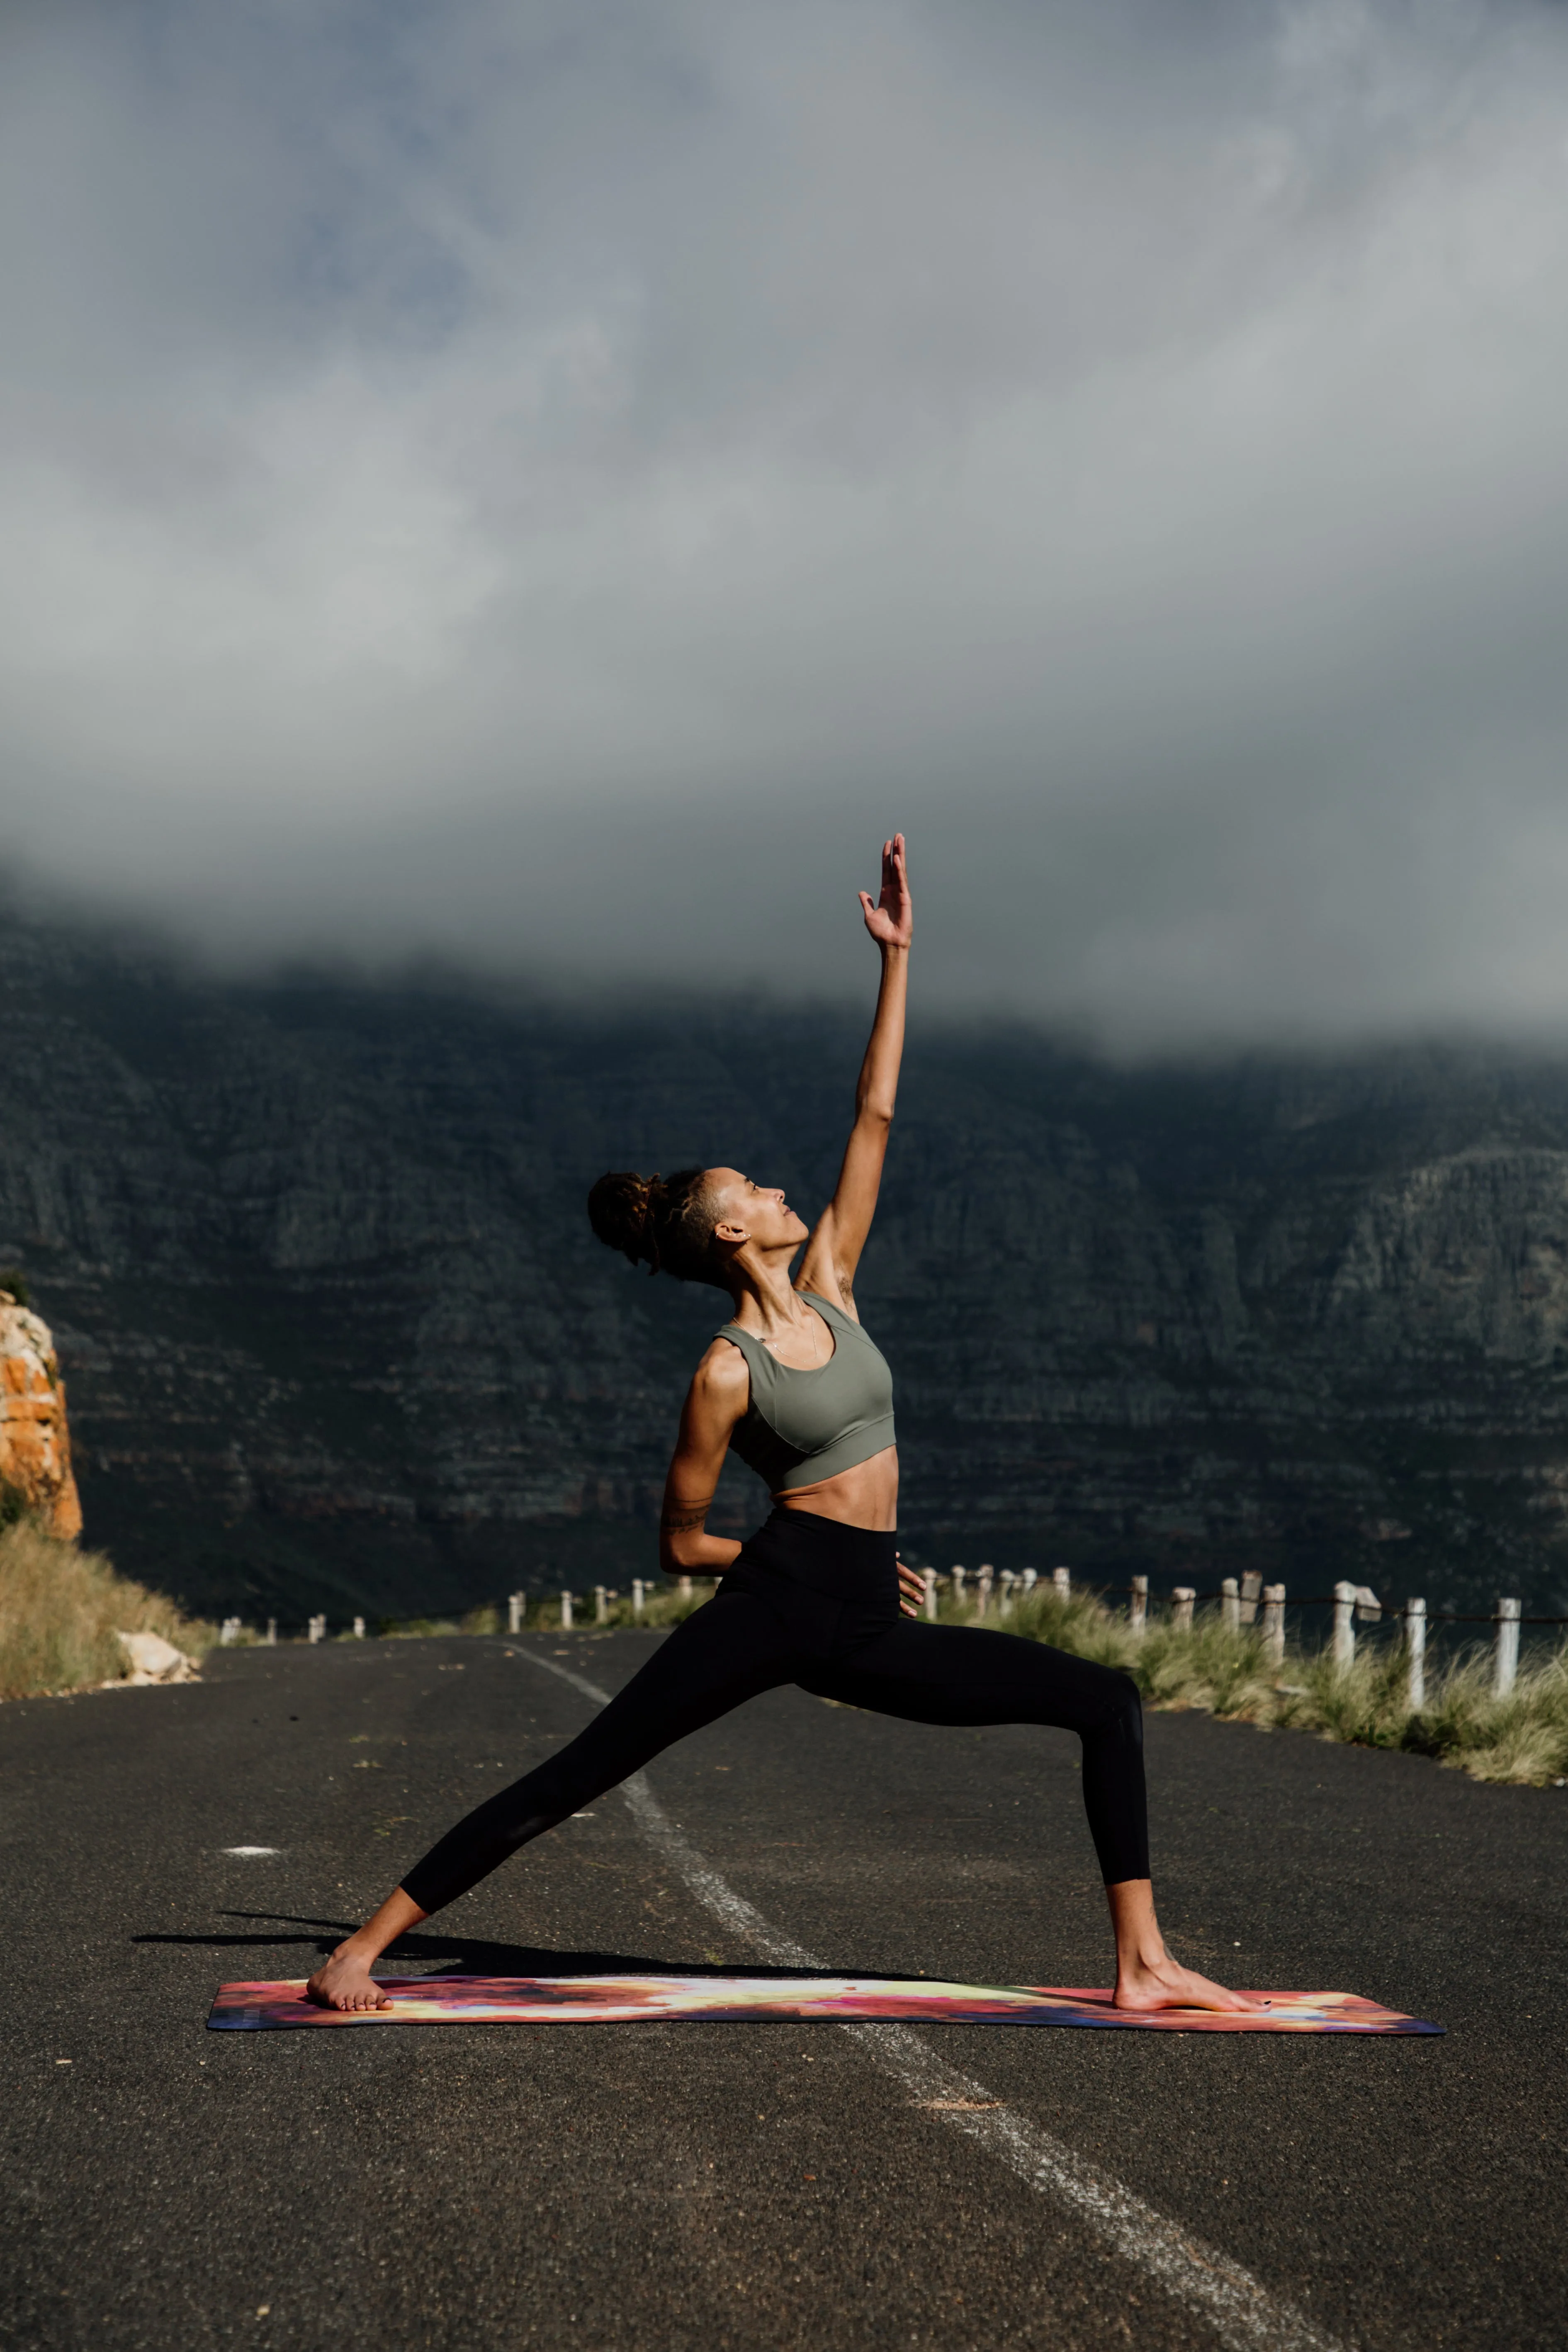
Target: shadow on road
[{"x": 466, "y": 1955}]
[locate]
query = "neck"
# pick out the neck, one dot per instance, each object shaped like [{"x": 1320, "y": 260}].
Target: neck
[{"x": 763, "y": 1294}]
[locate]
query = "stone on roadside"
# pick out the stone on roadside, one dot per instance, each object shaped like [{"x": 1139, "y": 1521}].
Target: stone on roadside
[{"x": 153, "y": 1659}]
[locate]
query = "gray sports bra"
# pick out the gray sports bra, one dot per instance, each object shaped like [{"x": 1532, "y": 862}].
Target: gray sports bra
[{"x": 802, "y": 1425}]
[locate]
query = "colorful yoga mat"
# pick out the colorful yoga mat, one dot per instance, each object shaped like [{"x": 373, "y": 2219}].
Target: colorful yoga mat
[{"x": 269, "y": 2004}]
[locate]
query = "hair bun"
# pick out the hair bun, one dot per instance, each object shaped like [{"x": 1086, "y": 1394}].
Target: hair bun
[
  {"x": 623, "y": 1210},
  {"x": 664, "y": 1223}
]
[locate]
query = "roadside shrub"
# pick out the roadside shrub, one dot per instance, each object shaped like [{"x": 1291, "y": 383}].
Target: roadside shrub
[
  {"x": 1227, "y": 1672},
  {"x": 61, "y": 1610}
]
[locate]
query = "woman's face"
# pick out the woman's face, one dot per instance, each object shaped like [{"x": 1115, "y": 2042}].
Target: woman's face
[{"x": 747, "y": 1210}]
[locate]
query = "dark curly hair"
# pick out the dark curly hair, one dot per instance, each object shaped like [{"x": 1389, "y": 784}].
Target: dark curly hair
[{"x": 664, "y": 1223}]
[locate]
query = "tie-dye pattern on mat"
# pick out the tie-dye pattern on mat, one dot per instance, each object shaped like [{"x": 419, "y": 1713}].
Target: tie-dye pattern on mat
[{"x": 602, "y": 2001}]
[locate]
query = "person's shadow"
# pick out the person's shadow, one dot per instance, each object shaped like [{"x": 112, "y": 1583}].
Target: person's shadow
[{"x": 467, "y": 1955}]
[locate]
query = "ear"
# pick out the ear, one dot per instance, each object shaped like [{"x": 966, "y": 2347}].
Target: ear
[{"x": 731, "y": 1234}]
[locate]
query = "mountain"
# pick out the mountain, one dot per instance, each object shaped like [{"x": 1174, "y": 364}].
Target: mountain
[{"x": 338, "y": 1337}]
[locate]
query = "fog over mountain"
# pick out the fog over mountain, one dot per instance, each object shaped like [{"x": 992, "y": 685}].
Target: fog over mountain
[{"x": 554, "y": 484}]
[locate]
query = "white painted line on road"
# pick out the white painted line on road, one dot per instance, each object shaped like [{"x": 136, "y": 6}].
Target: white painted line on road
[
  {"x": 250, "y": 1849},
  {"x": 1244, "y": 2314}
]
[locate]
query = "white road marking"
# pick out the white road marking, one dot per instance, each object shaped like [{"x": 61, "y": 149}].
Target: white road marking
[
  {"x": 1243, "y": 2314},
  {"x": 250, "y": 1849}
]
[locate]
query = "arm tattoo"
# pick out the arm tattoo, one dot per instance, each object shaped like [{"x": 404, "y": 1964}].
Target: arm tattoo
[{"x": 678, "y": 1521}]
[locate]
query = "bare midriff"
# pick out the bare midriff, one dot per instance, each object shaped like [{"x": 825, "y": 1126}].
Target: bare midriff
[{"x": 865, "y": 1497}]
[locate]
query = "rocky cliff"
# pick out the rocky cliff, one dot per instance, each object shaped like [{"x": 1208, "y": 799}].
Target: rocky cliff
[
  {"x": 339, "y": 1338},
  {"x": 35, "y": 1436}
]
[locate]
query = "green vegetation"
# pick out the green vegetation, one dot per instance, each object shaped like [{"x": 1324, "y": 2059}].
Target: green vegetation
[
  {"x": 13, "y": 1279},
  {"x": 62, "y": 1610},
  {"x": 1228, "y": 1672}
]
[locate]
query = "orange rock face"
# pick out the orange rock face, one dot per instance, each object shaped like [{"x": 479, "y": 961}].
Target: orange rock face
[{"x": 35, "y": 1440}]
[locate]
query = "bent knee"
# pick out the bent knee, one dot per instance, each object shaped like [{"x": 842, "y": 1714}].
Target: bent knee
[{"x": 1123, "y": 1716}]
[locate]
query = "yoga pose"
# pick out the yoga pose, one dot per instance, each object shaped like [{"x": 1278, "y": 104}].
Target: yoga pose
[{"x": 818, "y": 1597}]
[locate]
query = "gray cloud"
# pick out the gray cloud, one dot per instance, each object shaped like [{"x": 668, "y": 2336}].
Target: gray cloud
[{"x": 554, "y": 483}]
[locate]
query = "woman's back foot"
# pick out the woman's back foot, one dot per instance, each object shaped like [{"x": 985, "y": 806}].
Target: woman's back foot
[{"x": 344, "y": 1983}]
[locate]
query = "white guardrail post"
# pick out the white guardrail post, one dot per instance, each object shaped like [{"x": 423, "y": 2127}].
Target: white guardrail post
[
  {"x": 957, "y": 1576},
  {"x": 1274, "y": 1624},
  {"x": 1251, "y": 1594},
  {"x": 987, "y": 1578},
  {"x": 566, "y": 1613},
  {"x": 515, "y": 1605},
  {"x": 1415, "y": 1655},
  {"x": 1345, "y": 1626},
  {"x": 1505, "y": 1670},
  {"x": 637, "y": 1590},
  {"x": 1230, "y": 1604},
  {"x": 1062, "y": 1579},
  {"x": 1138, "y": 1605},
  {"x": 928, "y": 1577},
  {"x": 601, "y": 1605},
  {"x": 272, "y": 1633},
  {"x": 359, "y": 1629},
  {"x": 1031, "y": 1578},
  {"x": 1181, "y": 1599}
]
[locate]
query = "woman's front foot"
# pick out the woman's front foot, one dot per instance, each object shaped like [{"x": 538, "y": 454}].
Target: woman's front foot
[
  {"x": 1146, "y": 1985},
  {"x": 345, "y": 1982}
]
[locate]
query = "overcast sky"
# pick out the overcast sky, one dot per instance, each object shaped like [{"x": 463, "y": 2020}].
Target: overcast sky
[{"x": 554, "y": 481}]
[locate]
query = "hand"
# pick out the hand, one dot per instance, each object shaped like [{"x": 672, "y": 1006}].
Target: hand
[
  {"x": 911, "y": 1590},
  {"x": 891, "y": 921}
]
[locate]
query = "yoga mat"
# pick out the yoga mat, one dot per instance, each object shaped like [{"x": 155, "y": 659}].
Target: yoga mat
[{"x": 600, "y": 2001}]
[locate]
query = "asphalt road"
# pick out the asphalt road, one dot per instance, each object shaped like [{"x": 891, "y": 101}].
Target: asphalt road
[{"x": 710, "y": 2185}]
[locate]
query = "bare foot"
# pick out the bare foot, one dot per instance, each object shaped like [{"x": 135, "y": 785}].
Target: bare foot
[
  {"x": 1161, "y": 1984},
  {"x": 344, "y": 1982}
]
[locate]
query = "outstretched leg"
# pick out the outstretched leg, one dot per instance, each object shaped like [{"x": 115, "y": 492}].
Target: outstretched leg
[
  {"x": 727, "y": 1652},
  {"x": 966, "y": 1674}
]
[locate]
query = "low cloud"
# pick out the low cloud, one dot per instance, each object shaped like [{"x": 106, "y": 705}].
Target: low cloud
[{"x": 553, "y": 485}]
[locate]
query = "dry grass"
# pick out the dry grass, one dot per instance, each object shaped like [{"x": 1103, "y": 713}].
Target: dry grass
[
  {"x": 1227, "y": 1672},
  {"x": 61, "y": 1610}
]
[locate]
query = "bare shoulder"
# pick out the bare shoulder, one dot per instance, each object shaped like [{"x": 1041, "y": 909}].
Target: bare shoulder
[{"x": 721, "y": 1380}]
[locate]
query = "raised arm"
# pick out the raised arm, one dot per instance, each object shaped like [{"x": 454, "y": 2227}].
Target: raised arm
[{"x": 833, "y": 1250}]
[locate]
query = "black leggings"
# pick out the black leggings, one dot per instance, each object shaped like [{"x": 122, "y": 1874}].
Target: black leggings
[{"x": 812, "y": 1602}]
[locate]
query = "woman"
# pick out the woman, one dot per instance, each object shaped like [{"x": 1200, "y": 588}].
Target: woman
[{"x": 819, "y": 1596}]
